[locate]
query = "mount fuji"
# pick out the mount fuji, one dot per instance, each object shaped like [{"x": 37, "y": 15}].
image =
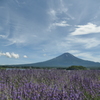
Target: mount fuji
[{"x": 65, "y": 60}]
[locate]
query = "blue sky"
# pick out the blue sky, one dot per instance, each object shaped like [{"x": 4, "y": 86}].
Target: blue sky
[{"x": 37, "y": 30}]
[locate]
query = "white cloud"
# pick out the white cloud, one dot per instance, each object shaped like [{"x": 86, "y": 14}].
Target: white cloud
[
  {"x": 58, "y": 24},
  {"x": 62, "y": 24},
  {"x": 73, "y": 51},
  {"x": 57, "y": 8},
  {"x": 86, "y": 29},
  {"x": 25, "y": 56},
  {"x": 85, "y": 42},
  {"x": 58, "y": 12},
  {"x": 9, "y": 55},
  {"x": 2, "y": 36},
  {"x": 52, "y": 13},
  {"x": 87, "y": 56},
  {"x": 93, "y": 42},
  {"x": 14, "y": 55},
  {"x": 64, "y": 9},
  {"x": 22, "y": 39}
]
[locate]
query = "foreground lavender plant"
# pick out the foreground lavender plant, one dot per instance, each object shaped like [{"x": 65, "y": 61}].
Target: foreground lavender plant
[{"x": 42, "y": 84}]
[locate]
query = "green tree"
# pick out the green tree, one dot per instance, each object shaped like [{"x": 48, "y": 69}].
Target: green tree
[{"x": 76, "y": 68}]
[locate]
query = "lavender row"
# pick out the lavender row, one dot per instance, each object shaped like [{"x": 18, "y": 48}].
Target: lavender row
[{"x": 42, "y": 84}]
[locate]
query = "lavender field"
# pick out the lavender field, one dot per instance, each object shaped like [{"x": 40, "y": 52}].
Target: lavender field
[{"x": 49, "y": 84}]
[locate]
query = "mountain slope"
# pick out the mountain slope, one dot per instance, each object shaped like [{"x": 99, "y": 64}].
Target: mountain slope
[{"x": 65, "y": 60}]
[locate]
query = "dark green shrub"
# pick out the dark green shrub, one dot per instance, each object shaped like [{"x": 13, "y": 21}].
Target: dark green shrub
[{"x": 76, "y": 68}]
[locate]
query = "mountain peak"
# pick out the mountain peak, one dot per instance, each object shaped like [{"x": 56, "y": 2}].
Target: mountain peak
[{"x": 67, "y": 55}]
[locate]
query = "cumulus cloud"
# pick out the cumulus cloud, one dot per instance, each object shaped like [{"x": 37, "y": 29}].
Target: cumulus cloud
[
  {"x": 86, "y": 29},
  {"x": 25, "y": 56},
  {"x": 9, "y": 55},
  {"x": 14, "y": 55}
]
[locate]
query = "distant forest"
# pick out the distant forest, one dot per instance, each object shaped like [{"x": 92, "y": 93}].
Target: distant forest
[{"x": 66, "y": 68}]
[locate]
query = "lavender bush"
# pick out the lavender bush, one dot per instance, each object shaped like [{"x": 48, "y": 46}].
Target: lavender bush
[{"x": 49, "y": 84}]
